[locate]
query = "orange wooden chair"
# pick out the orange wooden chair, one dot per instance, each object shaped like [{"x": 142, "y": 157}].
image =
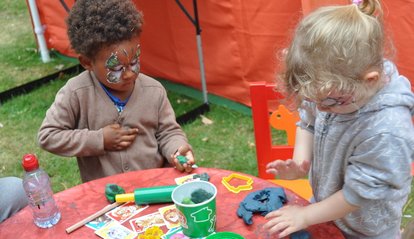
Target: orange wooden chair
[{"x": 265, "y": 100}]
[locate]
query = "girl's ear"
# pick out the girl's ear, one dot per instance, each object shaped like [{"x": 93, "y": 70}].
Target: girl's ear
[
  {"x": 372, "y": 76},
  {"x": 86, "y": 62}
]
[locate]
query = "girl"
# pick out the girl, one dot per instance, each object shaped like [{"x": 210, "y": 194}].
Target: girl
[{"x": 355, "y": 136}]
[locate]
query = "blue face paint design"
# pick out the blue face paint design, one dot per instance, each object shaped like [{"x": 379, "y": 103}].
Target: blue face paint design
[{"x": 115, "y": 68}]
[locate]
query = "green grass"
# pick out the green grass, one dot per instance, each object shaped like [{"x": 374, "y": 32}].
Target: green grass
[
  {"x": 21, "y": 118},
  {"x": 228, "y": 143},
  {"x": 20, "y": 61}
]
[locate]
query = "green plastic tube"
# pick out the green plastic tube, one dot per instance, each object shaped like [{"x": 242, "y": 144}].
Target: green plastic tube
[{"x": 160, "y": 194}]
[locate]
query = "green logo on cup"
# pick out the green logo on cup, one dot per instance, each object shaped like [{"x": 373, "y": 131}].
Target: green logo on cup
[{"x": 196, "y": 204}]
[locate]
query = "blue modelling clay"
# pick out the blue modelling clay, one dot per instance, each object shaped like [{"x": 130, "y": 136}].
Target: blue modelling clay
[
  {"x": 262, "y": 201},
  {"x": 300, "y": 235}
]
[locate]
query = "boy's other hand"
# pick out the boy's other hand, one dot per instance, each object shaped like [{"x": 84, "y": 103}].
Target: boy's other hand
[
  {"x": 184, "y": 151},
  {"x": 118, "y": 138}
]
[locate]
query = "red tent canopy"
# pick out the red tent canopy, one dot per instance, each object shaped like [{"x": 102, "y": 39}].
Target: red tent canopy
[{"x": 240, "y": 39}]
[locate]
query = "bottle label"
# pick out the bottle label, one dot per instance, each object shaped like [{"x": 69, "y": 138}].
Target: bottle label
[{"x": 39, "y": 199}]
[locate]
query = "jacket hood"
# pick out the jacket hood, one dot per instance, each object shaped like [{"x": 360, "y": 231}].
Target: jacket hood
[{"x": 396, "y": 93}]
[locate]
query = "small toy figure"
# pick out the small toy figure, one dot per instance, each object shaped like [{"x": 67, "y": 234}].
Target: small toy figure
[{"x": 182, "y": 159}]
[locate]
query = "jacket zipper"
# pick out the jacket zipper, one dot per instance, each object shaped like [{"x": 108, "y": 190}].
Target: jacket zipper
[{"x": 324, "y": 132}]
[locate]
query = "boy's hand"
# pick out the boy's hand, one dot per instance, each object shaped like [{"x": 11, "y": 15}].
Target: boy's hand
[
  {"x": 118, "y": 138},
  {"x": 186, "y": 166},
  {"x": 288, "y": 169}
]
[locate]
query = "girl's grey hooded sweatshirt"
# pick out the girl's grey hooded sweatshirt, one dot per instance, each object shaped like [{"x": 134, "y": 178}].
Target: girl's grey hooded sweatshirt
[{"x": 368, "y": 155}]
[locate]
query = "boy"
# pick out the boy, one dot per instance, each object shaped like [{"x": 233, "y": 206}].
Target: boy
[{"x": 113, "y": 118}]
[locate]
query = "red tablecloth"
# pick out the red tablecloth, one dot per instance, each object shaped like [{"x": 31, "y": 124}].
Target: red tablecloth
[{"x": 83, "y": 200}]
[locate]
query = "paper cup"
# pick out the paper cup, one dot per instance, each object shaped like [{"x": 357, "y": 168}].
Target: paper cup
[{"x": 197, "y": 220}]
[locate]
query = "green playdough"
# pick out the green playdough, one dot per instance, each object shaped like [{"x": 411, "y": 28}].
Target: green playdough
[
  {"x": 182, "y": 159},
  {"x": 203, "y": 177},
  {"x": 198, "y": 196},
  {"x": 187, "y": 200},
  {"x": 111, "y": 190}
]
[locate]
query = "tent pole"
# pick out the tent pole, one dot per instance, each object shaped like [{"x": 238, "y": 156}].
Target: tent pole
[
  {"x": 203, "y": 75},
  {"x": 196, "y": 23},
  {"x": 38, "y": 29},
  {"x": 205, "y": 107},
  {"x": 200, "y": 53}
]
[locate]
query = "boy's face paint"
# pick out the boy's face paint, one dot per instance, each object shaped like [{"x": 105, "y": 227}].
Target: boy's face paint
[
  {"x": 115, "y": 68},
  {"x": 113, "y": 76}
]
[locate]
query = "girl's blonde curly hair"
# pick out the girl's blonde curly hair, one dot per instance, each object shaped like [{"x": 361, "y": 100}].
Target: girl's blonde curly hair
[{"x": 331, "y": 50}]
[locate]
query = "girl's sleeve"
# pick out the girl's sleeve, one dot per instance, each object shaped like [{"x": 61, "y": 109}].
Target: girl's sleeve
[
  {"x": 58, "y": 133},
  {"x": 307, "y": 113},
  {"x": 379, "y": 169}
]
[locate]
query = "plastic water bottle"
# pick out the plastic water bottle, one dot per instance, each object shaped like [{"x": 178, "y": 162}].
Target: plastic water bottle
[{"x": 36, "y": 183}]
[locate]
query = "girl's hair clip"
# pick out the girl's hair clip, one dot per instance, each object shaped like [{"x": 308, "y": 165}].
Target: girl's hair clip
[{"x": 357, "y": 2}]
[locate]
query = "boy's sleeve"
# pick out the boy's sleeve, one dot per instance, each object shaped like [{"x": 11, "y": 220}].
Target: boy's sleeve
[
  {"x": 58, "y": 133},
  {"x": 169, "y": 135}
]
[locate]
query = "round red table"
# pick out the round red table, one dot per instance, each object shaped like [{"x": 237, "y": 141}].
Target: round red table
[{"x": 83, "y": 200}]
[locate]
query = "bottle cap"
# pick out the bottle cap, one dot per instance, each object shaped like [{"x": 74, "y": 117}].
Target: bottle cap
[{"x": 30, "y": 162}]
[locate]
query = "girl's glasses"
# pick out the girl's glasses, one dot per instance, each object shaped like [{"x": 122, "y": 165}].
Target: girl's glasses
[
  {"x": 334, "y": 101},
  {"x": 331, "y": 102}
]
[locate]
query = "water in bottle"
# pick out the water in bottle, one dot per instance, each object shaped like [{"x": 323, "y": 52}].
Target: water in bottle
[{"x": 36, "y": 183}]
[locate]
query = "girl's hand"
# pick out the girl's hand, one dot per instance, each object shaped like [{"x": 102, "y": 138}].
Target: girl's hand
[
  {"x": 118, "y": 138},
  {"x": 288, "y": 169},
  {"x": 186, "y": 152},
  {"x": 286, "y": 220}
]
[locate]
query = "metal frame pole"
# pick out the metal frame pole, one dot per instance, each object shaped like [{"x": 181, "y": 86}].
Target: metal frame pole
[{"x": 196, "y": 23}]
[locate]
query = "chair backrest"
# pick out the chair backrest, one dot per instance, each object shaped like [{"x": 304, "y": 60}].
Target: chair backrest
[{"x": 262, "y": 94}]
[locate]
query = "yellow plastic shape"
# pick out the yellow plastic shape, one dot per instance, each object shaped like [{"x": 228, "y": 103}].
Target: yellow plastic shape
[{"x": 226, "y": 182}]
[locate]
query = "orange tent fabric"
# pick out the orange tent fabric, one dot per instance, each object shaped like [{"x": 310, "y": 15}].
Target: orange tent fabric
[{"x": 240, "y": 39}]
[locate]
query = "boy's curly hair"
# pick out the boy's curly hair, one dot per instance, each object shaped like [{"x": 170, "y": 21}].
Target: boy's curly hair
[{"x": 94, "y": 24}]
